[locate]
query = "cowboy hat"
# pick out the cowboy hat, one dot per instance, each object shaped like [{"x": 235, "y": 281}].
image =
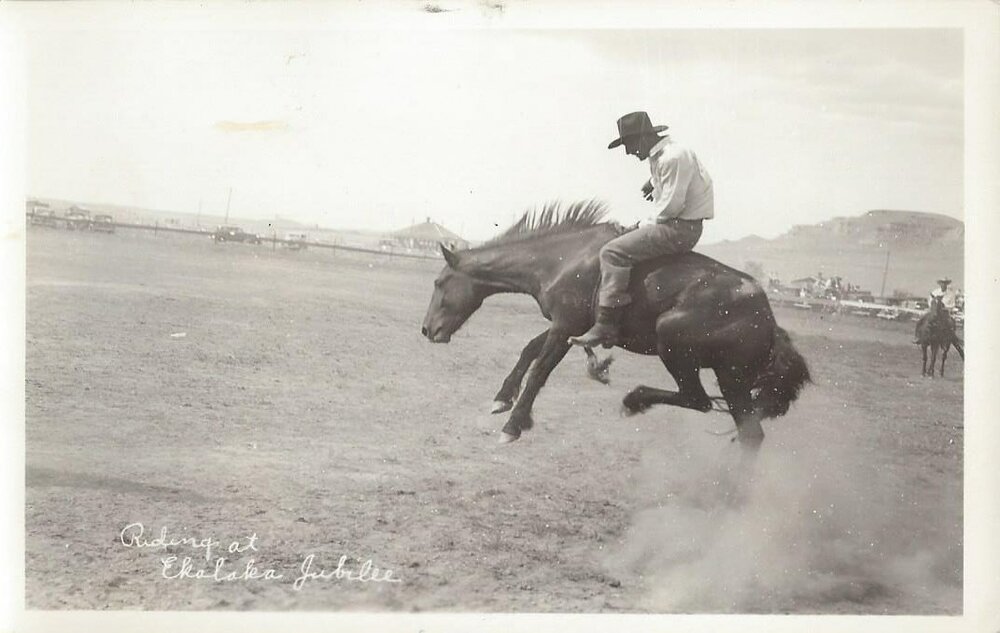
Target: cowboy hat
[
  {"x": 635, "y": 124},
  {"x": 944, "y": 280}
]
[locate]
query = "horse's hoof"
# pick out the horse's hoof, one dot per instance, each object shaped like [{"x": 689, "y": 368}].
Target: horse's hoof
[
  {"x": 499, "y": 406},
  {"x": 507, "y": 438},
  {"x": 596, "y": 375},
  {"x": 626, "y": 411},
  {"x": 598, "y": 369}
]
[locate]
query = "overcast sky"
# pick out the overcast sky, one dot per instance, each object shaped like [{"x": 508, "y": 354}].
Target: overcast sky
[{"x": 374, "y": 129}]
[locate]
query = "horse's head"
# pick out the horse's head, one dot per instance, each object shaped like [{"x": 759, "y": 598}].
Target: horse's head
[
  {"x": 937, "y": 305},
  {"x": 457, "y": 294}
]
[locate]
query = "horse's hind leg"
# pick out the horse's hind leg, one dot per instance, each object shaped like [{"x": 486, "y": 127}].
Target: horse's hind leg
[
  {"x": 682, "y": 363},
  {"x": 735, "y": 388},
  {"x": 511, "y": 387},
  {"x": 643, "y": 397},
  {"x": 957, "y": 342},
  {"x": 683, "y": 367},
  {"x": 934, "y": 350},
  {"x": 923, "y": 368}
]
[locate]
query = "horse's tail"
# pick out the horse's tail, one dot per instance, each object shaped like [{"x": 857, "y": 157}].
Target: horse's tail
[{"x": 778, "y": 383}]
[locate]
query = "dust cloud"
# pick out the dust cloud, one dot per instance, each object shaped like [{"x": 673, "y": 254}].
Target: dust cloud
[{"x": 816, "y": 525}]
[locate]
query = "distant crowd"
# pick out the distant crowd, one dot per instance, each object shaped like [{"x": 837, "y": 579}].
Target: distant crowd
[{"x": 836, "y": 288}]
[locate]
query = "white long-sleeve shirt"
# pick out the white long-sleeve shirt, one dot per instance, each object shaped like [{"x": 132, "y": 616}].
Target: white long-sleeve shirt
[
  {"x": 948, "y": 297},
  {"x": 682, "y": 187}
]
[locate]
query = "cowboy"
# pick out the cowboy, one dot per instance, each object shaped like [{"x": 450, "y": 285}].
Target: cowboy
[
  {"x": 681, "y": 191},
  {"x": 948, "y": 297}
]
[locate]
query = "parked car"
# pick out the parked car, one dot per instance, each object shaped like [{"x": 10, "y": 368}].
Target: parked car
[
  {"x": 77, "y": 219},
  {"x": 103, "y": 223},
  {"x": 296, "y": 240},
  {"x": 234, "y": 234}
]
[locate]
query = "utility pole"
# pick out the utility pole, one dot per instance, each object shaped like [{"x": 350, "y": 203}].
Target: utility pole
[
  {"x": 228, "y": 200},
  {"x": 198, "y": 221},
  {"x": 885, "y": 273}
]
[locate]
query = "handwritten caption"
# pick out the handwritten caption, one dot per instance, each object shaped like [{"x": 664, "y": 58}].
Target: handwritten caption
[{"x": 221, "y": 564}]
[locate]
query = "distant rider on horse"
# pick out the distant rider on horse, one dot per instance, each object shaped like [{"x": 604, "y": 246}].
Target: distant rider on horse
[
  {"x": 948, "y": 296},
  {"x": 945, "y": 297},
  {"x": 681, "y": 191}
]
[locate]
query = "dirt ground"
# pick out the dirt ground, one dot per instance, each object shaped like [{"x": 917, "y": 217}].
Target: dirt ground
[{"x": 226, "y": 391}]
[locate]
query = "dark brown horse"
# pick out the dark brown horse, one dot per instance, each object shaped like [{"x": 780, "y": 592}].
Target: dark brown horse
[
  {"x": 688, "y": 309},
  {"x": 936, "y": 329}
]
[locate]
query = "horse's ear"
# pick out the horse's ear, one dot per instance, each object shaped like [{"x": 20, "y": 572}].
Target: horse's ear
[{"x": 450, "y": 256}]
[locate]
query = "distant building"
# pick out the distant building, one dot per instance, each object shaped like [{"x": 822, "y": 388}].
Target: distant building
[
  {"x": 425, "y": 236},
  {"x": 805, "y": 282},
  {"x": 35, "y": 205}
]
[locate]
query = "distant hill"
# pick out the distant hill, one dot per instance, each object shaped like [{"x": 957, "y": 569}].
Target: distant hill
[{"x": 921, "y": 248}]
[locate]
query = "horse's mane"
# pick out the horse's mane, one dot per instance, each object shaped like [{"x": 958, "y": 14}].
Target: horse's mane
[{"x": 552, "y": 218}]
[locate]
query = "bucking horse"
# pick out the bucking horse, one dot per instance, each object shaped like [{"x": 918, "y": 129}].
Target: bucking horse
[{"x": 688, "y": 309}]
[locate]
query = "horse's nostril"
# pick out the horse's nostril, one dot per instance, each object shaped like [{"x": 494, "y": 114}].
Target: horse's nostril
[{"x": 423, "y": 330}]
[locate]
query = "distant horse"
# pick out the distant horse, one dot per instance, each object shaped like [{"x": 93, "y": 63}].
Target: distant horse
[
  {"x": 688, "y": 309},
  {"x": 936, "y": 329}
]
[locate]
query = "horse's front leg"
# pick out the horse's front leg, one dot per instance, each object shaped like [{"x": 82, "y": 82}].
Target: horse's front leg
[
  {"x": 944, "y": 355},
  {"x": 511, "y": 386},
  {"x": 553, "y": 350}
]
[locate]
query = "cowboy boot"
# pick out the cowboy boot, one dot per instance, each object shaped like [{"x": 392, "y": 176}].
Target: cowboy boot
[{"x": 606, "y": 329}]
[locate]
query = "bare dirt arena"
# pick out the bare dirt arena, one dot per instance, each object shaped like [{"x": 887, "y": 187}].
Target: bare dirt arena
[{"x": 302, "y": 405}]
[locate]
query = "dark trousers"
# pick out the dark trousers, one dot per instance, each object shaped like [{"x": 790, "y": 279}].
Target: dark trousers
[{"x": 646, "y": 242}]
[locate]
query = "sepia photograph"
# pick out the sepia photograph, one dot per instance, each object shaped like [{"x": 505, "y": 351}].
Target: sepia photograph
[{"x": 424, "y": 308}]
